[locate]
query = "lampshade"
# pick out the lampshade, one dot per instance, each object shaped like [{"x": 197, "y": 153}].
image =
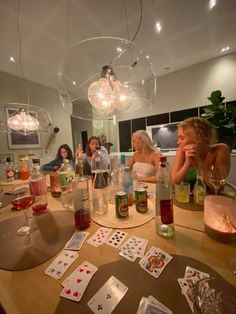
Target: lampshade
[
  {"x": 23, "y": 120},
  {"x": 103, "y": 77}
]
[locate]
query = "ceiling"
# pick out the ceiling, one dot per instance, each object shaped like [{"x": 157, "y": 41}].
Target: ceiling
[{"x": 191, "y": 33}]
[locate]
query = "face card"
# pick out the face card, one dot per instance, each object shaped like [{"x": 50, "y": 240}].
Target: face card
[
  {"x": 63, "y": 261},
  {"x": 99, "y": 236},
  {"x": 131, "y": 246},
  {"x": 117, "y": 238},
  {"x": 76, "y": 241},
  {"x": 192, "y": 272},
  {"x": 187, "y": 285},
  {"x": 155, "y": 261},
  {"x": 108, "y": 296},
  {"x": 87, "y": 269}
]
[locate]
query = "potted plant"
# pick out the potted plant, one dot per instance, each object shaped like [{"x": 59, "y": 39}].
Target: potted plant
[{"x": 223, "y": 117}]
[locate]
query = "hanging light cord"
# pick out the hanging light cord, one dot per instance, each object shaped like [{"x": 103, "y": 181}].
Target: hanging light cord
[
  {"x": 20, "y": 51},
  {"x": 135, "y": 35}
]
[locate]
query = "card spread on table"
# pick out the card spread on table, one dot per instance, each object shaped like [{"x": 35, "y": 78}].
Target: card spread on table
[
  {"x": 155, "y": 261},
  {"x": 76, "y": 283},
  {"x": 131, "y": 258},
  {"x": 116, "y": 238},
  {"x": 132, "y": 245},
  {"x": 191, "y": 277},
  {"x": 76, "y": 241},
  {"x": 99, "y": 236},
  {"x": 61, "y": 263},
  {"x": 108, "y": 296}
]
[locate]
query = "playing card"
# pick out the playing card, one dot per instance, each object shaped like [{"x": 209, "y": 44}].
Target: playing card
[
  {"x": 116, "y": 238},
  {"x": 62, "y": 262},
  {"x": 160, "y": 305},
  {"x": 130, "y": 258},
  {"x": 187, "y": 285},
  {"x": 99, "y": 236},
  {"x": 85, "y": 268},
  {"x": 108, "y": 296},
  {"x": 132, "y": 245},
  {"x": 76, "y": 241},
  {"x": 141, "y": 250},
  {"x": 155, "y": 261},
  {"x": 76, "y": 284},
  {"x": 192, "y": 272}
]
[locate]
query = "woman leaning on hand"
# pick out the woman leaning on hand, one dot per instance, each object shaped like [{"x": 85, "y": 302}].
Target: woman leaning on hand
[{"x": 197, "y": 150}]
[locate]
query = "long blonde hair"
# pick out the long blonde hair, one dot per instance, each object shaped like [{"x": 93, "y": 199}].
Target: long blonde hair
[
  {"x": 147, "y": 143},
  {"x": 201, "y": 127}
]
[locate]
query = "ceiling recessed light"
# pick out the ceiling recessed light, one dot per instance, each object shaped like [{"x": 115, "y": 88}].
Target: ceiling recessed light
[
  {"x": 211, "y": 4},
  {"x": 12, "y": 59},
  {"x": 147, "y": 57},
  {"x": 74, "y": 83},
  {"x": 158, "y": 27},
  {"x": 225, "y": 49}
]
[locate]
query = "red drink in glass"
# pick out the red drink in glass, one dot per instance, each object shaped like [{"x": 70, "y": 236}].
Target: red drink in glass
[
  {"x": 39, "y": 208},
  {"x": 23, "y": 202},
  {"x": 82, "y": 219}
]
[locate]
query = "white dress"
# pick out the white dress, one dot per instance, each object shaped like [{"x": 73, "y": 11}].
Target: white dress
[{"x": 144, "y": 169}]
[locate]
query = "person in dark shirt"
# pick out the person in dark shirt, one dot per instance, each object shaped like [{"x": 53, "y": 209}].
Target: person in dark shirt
[{"x": 64, "y": 152}]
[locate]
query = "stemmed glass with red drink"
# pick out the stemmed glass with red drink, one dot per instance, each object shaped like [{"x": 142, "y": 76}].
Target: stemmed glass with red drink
[{"x": 23, "y": 203}]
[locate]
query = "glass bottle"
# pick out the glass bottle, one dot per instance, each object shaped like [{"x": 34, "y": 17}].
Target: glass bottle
[
  {"x": 38, "y": 187},
  {"x": 81, "y": 204},
  {"x": 9, "y": 169},
  {"x": 79, "y": 168},
  {"x": 164, "y": 201},
  {"x": 128, "y": 185},
  {"x": 100, "y": 191},
  {"x": 66, "y": 178},
  {"x": 199, "y": 190}
]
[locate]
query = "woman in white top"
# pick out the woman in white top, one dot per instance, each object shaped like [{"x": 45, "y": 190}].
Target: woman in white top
[{"x": 145, "y": 160}]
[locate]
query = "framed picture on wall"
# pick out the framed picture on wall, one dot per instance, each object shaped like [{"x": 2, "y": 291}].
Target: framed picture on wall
[{"x": 17, "y": 140}]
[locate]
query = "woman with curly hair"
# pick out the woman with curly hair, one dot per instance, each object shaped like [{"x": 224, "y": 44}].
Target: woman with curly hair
[{"x": 198, "y": 150}]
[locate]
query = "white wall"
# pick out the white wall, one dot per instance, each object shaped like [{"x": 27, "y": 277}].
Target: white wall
[{"x": 13, "y": 89}]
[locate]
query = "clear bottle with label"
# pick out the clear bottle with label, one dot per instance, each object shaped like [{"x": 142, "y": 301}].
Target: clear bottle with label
[
  {"x": 23, "y": 169},
  {"x": 66, "y": 178},
  {"x": 81, "y": 204},
  {"x": 38, "y": 187},
  {"x": 79, "y": 168},
  {"x": 164, "y": 201},
  {"x": 9, "y": 169},
  {"x": 199, "y": 191}
]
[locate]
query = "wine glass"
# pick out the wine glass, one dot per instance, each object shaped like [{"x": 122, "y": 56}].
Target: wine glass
[
  {"x": 217, "y": 176},
  {"x": 23, "y": 203}
]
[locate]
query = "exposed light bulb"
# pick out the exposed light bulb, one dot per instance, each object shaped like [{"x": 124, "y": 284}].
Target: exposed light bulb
[
  {"x": 12, "y": 59},
  {"x": 211, "y": 4},
  {"x": 22, "y": 120},
  {"x": 158, "y": 27}
]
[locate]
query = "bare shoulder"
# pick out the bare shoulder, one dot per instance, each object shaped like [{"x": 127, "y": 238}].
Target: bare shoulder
[{"x": 220, "y": 148}]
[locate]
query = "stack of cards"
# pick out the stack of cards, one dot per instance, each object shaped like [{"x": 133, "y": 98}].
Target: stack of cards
[
  {"x": 63, "y": 261},
  {"x": 99, "y": 236},
  {"x": 155, "y": 261},
  {"x": 108, "y": 296},
  {"x": 151, "y": 305},
  {"x": 191, "y": 277},
  {"x": 76, "y": 241},
  {"x": 134, "y": 247},
  {"x": 76, "y": 283},
  {"x": 116, "y": 238}
]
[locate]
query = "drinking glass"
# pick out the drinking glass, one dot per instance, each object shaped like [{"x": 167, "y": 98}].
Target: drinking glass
[
  {"x": 23, "y": 203},
  {"x": 217, "y": 176}
]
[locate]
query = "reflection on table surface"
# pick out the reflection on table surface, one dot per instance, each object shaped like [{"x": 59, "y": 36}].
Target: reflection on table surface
[{"x": 20, "y": 290}]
